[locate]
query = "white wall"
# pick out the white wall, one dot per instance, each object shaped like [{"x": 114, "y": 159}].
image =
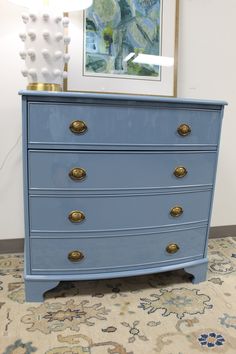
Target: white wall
[
  {"x": 207, "y": 69},
  {"x": 207, "y": 57},
  {"x": 11, "y": 194}
]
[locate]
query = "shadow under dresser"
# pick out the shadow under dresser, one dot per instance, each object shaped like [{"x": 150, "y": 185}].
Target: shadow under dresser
[{"x": 116, "y": 185}]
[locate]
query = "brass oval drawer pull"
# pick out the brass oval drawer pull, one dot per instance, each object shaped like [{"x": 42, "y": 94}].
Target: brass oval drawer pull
[
  {"x": 78, "y": 127},
  {"x": 180, "y": 171},
  {"x": 176, "y": 211},
  {"x": 77, "y": 174},
  {"x": 76, "y": 216},
  {"x": 75, "y": 256},
  {"x": 172, "y": 248},
  {"x": 184, "y": 129}
]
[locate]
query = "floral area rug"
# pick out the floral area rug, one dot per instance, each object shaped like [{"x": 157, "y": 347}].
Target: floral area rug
[{"x": 161, "y": 313}]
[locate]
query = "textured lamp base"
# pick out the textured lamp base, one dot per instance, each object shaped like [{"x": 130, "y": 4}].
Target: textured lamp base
[
  {"x": 37, "y": 86},
  {"x": 45, "y": 49}
]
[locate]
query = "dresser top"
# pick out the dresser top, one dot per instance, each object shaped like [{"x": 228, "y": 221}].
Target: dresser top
[{"x": 109, "y": 96}]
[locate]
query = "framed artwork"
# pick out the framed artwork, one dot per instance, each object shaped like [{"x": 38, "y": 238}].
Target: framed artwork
[{"x": 124, "y": 46}]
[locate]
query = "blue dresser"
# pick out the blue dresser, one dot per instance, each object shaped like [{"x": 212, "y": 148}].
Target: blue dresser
[{"x": 116, "y": 185}]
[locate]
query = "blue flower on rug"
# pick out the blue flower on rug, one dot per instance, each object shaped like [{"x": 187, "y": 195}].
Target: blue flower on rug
[
  {"x": 211, "y": 340},
  {"x": 19, "y": 347}
]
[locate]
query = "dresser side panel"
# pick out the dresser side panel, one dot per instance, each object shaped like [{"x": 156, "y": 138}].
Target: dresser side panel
[
  {"x": 221, "y": 114},
  {"x": 27, "y": 265}
]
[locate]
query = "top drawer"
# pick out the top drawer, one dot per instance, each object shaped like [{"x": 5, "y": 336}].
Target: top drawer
[{"x": 121, "y": 127}]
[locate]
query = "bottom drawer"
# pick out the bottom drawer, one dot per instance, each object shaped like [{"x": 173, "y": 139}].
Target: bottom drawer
[{"x": 111, "y": 254}]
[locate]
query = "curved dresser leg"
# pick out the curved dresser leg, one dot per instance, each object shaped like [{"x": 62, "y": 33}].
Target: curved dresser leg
[
  {"x": 34, "y": 290},
  {"x": 198, "y": 271}
]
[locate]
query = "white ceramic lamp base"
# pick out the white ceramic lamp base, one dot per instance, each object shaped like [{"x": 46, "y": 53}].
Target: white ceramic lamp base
[{"x": 45, "y": 50}]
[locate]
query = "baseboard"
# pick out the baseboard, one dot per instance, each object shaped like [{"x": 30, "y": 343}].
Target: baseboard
[
  {"x": 222, "y": 231},
  {"x": 12, "y": 246},
  {"x": 17, "y": 245}
]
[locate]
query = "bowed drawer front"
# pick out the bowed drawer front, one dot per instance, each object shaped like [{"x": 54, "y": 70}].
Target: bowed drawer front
[
  {"x": 101, "y": 213},
  {"x": 99, "y": 171},
  {"x": 116, "y": 253},
  {"x": 116, "y": 186},
  {"x": 109, "y": 126}
]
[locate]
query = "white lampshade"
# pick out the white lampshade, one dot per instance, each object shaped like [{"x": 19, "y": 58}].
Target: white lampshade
[{"x": 59, "y": 5}]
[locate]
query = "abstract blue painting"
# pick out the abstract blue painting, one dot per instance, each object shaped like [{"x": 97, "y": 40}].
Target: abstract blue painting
[{"x": 116, "y": 28}]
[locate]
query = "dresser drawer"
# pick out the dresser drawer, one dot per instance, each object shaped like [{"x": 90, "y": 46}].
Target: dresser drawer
[
  {"x": 116, "y": 253},
  {"x": 53, "y": 170},
  {"x": 126, "y": 127},
  {"x": 113, "y": 213}
]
